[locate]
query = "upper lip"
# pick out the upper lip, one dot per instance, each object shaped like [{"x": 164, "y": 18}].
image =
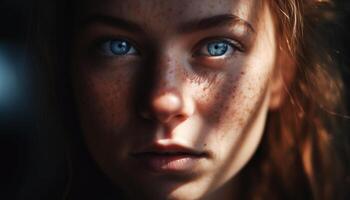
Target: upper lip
[{"x": 169, "y": 149}]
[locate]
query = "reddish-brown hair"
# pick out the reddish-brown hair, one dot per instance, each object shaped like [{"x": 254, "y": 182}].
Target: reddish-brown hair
[{"x": 299, "y": 157}]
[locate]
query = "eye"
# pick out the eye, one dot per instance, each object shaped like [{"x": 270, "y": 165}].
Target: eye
[
  {"x": 117, "y": 47},
  {"x": 218, "y": 48}
]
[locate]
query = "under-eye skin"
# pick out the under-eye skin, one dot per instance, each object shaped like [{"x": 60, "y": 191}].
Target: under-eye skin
[
  {"x": 117, "y": 47},
  {"x": 218, "y": 48}
]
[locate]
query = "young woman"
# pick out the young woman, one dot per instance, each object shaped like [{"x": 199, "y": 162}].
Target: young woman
[{"x": 222, "y": 99}]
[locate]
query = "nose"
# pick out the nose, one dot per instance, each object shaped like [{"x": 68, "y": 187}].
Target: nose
[
  {"x": 170, "y": 108},
  {"x": 168, "y": 103}
]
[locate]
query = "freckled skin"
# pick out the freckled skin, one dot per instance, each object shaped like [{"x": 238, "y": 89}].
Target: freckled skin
[{"x": 217, "y": 105}]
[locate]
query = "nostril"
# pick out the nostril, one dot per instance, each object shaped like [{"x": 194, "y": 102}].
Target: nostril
[{"x": 180, "y": 117}]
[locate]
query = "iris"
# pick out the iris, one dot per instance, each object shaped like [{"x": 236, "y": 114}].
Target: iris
[
  {"x": 218, "y": 48},
  {"x": 117, "y": 47}
]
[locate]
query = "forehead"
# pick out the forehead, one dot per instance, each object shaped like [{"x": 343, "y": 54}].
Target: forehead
[{"x": 169, "y": 12}]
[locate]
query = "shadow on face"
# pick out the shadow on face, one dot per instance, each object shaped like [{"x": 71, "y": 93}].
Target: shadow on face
[{"x": 173, "y": 95}]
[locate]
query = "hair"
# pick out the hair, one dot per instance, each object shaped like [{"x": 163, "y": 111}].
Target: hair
[{"x": 304, "y": 153}]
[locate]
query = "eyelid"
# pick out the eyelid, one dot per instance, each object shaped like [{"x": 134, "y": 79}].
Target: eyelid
[
  {"x": 233, "y": 43},
  {"x": 97, "y": 43}
]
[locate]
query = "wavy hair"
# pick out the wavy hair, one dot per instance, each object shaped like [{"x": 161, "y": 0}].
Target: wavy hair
[{"x": 305, "y": 152}]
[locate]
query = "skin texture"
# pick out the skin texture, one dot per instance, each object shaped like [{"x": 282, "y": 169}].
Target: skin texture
[{"x": 171, "y": 92}]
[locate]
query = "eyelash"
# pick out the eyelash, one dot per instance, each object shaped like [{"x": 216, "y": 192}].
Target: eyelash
[
  {"x": 105, "y": 48},
  {"x": 204, "y": 45},
  {"x": 102, "y": 46}
]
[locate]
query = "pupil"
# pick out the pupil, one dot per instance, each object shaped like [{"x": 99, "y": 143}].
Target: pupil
[
  {"x": 217, "y": 48},
  {"x": 119, "y": 47}
]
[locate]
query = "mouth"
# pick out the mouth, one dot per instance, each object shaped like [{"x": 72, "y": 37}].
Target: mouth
[{"x": 169, "y": 158}]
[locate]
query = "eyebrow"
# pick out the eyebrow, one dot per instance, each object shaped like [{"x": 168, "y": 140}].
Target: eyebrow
[
  {"x": 216, "y": 21},
  {"x": 111, "y": 21},
  {"x": 192, "y": 26}
]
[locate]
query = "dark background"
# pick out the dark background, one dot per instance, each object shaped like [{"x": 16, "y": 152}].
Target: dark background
[{"x": 17, "y": 92}]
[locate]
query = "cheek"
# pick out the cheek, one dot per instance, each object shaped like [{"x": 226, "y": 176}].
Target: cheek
[
  {"x": 231, "y": 99},
  {"x": 103, "y": 102},
  {"x": 234, "y": 111}
]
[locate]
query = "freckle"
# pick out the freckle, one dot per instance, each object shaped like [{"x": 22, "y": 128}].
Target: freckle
[{"x": 241, "y": 122}]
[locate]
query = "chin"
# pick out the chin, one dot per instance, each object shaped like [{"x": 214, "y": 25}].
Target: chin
[
  {"x": 181, "y": 193},
  {"x": 166, "y": 191}
]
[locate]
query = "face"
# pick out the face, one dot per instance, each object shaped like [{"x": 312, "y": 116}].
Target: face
[{"x": 173, "y": 95}]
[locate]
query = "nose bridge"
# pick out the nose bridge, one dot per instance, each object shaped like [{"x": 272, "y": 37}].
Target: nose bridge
[
  {"x": 168, "y": 103},
  {"x": 167, "y": 85},
  {"x": 168, "y": 74}
]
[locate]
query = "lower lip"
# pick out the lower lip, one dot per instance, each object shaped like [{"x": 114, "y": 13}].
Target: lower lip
[{"x": 168, "y": 163}]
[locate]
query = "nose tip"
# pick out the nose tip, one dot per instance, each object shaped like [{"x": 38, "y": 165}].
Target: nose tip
[{"x": 168, "y": 108}]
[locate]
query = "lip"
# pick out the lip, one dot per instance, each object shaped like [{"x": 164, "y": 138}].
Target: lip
[{"x": 170, "y": 158}]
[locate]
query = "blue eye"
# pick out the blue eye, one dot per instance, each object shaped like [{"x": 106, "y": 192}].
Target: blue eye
[
  {"x": 217, "y": 48},
  {"x": 221, "y": 47},
  {"x": 117, "y": 47}
]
